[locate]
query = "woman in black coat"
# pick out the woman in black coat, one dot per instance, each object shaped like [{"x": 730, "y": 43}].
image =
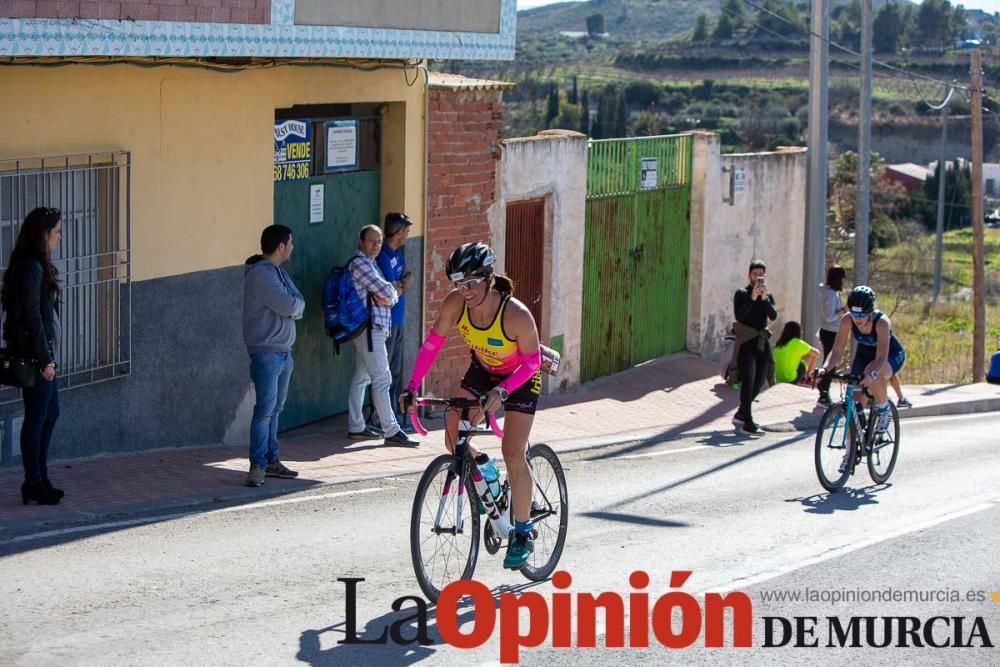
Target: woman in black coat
[{"x": 30, "y": 296}]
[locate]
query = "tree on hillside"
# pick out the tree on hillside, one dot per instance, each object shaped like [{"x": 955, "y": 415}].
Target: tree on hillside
[
  {"x": 574, "y": 96},
  {"x": 888, "y": 200},
  {"x": 552, "y": 106},
  {"x": 776, "y": 16},
  {"x": 937, "y": 23},
  {"x": 612, "y": 117},
  {"x": 734, "y": 10},
  {"x": 585, "y": 113},
  {"x": 595, "y": 25},
  {"x": 957, "y": 197},
  {"x": 700, "y": 29},
  {"x": 724, "y": 28},
  {"x": 888, "y": 28}
]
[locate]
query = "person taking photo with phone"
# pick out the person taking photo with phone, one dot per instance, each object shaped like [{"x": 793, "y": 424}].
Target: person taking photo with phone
[{"x": 753, "y": 306}]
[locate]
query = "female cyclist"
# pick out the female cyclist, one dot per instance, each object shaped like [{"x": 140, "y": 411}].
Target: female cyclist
[
  {"x": 506, "y": 359},
  {"x": 879, "y": 355}
]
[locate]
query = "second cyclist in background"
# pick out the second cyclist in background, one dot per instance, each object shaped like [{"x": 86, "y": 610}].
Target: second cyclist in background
[{"x": 879, "y": 354}]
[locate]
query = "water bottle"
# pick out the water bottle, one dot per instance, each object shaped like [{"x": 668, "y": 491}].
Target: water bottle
[{"x": 492, "y": 476}]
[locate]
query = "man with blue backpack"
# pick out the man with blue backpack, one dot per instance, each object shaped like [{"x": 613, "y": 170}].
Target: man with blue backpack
[{"x": 372, "y": 360}]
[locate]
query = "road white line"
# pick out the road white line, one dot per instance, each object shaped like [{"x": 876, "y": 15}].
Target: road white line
[
  {"x": 126, "y": 523},
  {"x": 741, "y": 583}
]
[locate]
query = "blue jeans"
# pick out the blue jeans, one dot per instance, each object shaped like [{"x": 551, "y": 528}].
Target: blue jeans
[
  {"x": 41, "y": 409},
  {"x": 270, "y": 372}
]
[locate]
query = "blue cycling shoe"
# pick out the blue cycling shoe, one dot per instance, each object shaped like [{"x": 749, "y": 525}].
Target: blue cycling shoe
[{"x": 518, "y": 551}]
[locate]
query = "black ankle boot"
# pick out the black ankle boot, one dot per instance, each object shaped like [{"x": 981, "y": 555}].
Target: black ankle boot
[
  {"x": 53, "y": 491},
  {"x": 36, "y": 491}
]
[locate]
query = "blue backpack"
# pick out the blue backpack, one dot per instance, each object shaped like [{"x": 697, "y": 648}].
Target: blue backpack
[{"x": 345, "y": 315}]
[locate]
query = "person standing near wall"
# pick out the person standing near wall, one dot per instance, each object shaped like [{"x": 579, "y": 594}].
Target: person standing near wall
[
  {"x": 271, "y": 304},
  {"x": 753, "y": 307},
  {"x": 391, "y": 262},
  {"x": 831, "y": 312},
  {"x": 30, "y": 298},
  {"x": 372, "y": 360}
]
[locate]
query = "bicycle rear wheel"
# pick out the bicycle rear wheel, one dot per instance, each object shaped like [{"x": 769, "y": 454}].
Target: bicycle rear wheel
[
  {"x": 833, "y": 444},
  {"x": 549, "y": 512},
  {"x": 885, "y": 449},
  {"x": 440, "y": 552}
]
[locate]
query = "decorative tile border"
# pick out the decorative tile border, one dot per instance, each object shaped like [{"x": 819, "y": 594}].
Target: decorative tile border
[{"x": 92, "y": 37}]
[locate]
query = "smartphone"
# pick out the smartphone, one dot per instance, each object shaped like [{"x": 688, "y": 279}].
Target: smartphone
[{"x": 760, "y": 281}]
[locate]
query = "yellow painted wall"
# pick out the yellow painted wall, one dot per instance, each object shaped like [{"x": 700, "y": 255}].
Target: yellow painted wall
[{"x": 202, "y": 145}]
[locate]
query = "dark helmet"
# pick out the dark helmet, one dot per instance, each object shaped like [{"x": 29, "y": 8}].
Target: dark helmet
[
  {"x": 861, "y": 298},
  {"x": 470, "y": 259}
]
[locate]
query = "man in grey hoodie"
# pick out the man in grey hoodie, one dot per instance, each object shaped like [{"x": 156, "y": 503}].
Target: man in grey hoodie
[{"x": 271, "y": 304}]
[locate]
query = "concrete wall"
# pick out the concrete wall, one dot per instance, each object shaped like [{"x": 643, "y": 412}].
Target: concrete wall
[
  {"x": 766, "y": 221},
  {"x": 551, "y": 166}
]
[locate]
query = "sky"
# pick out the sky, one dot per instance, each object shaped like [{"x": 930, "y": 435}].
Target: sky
[{"x": 988, "y": 5}]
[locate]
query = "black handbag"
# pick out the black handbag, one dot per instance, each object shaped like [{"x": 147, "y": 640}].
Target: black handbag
[{"x": 17, "y": 371}]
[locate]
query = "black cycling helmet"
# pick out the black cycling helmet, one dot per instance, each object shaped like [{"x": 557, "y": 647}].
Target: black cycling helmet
[
  {"x": 470, "y": 259},
  {"x": 861, "y": 298}
]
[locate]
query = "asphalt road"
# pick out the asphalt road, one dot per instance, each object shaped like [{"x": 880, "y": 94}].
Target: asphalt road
[{"x": 257, "y": 584}]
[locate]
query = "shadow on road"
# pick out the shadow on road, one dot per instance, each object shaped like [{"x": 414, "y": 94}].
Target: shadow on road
[
  {"x": 408, "y": 627},
  {"x": 636, "y": 519},
  {"x": 844, "y": 500}
]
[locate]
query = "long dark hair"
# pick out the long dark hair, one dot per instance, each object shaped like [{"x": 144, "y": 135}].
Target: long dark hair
[
  {"x": 791, "y": 330},
  {"x": 32, "y": 244}
]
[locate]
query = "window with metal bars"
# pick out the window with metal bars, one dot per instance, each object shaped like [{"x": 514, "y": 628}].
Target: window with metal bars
[{"x": 93, "y": 191}]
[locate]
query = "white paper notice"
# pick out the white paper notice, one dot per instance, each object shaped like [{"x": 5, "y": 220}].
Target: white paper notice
[{"x": 316, "y": 203}]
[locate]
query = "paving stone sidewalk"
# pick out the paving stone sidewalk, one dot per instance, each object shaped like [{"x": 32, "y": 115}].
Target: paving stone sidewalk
[{"x": 655, "y": 402}]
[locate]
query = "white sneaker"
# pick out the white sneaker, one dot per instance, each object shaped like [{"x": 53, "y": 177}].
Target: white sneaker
[{"x": 883, "y": 421}]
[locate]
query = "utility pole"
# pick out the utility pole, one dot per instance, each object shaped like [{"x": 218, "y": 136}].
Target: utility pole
[
  {"x": 942, "y": 173},
  {"x": 814, "y": 251},
  {"x": 862, "y": 207},
  {"x": 978, "y": 277}
]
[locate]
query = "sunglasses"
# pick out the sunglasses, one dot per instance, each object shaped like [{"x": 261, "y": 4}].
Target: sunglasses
[
  {"x": 858, "y": 315},
  {"x": 466, "y": 285}
]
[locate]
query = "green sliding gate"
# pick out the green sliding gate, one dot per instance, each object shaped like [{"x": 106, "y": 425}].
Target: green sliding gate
[{"x": 637, "y": 237}]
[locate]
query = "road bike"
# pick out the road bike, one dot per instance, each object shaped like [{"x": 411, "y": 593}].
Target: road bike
[
  {"x": 845, "y": 430},
  {"x": 445, "y": 520}
]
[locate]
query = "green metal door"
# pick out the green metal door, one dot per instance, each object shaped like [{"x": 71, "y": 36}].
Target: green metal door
[
  {"x": 320, "y": 382},
  {"x": 636, "y": 251}
]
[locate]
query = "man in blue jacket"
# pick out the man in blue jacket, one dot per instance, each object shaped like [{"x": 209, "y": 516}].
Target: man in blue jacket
[
  {"x": 391, "y": 261},
  {"x": 271, "y": 304}
]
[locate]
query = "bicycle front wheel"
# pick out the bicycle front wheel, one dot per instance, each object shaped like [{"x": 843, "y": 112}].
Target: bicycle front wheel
[
  {"x": 444, "y": 527},
  {"x": 834, "y": 447},
  {"x": 549, "y": 512},
  {"x": 884, "y": 450}
]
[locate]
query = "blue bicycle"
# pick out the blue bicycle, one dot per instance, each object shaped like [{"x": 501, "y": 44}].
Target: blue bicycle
[{"x": 846, "y": 434}]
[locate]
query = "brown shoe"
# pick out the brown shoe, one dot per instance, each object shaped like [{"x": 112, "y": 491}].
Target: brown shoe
[{"x": 256, "y": 475}]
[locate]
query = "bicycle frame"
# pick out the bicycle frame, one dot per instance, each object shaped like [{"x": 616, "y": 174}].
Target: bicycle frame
[
  {"x": 852, "y": 416},
  {"x": 501, "y": 522}
]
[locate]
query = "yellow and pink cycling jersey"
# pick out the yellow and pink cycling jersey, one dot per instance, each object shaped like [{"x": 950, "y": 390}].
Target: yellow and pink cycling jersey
[{"x": 492, "y": 347}]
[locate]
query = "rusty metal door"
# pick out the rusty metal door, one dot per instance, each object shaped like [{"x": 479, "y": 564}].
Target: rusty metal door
[
  {"x": 525, "y": 253},
  {"x": 636, "y": 252}
]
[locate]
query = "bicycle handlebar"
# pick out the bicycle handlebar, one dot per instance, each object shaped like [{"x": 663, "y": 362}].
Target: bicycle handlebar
[
  {"x": 453, "y": 403},
  {"x": 848, "y": 377}
]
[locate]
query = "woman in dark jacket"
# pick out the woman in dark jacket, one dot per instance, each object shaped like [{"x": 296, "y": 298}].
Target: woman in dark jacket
[{"x": 30, "y": 296}]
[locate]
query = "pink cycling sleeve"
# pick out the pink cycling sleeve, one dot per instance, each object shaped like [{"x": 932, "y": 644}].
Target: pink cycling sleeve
[
  {"x": 530, "y": 363},
  {"x": 425, "y": 358}
]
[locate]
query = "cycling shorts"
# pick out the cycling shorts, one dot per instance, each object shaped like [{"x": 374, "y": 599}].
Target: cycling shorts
[
  {"x": 479, "y": 381},
  {"x": 866, "y": 354}
]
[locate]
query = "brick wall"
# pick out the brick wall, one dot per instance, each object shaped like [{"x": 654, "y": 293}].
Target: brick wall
[
  {"x": 463, "y": 151},
  {"x": 201, "y": 11}
]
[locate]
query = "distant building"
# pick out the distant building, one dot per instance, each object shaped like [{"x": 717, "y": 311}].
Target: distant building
[{"x": 910, "y": 176}]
